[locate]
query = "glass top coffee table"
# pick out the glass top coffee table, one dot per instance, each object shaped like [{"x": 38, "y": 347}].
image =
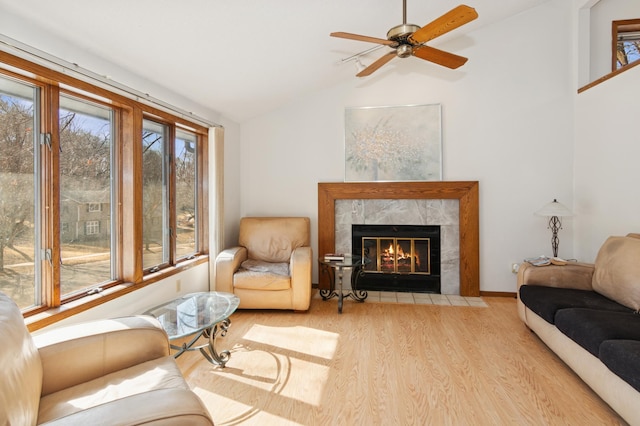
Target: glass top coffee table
[{"x": 198, "y": 314}]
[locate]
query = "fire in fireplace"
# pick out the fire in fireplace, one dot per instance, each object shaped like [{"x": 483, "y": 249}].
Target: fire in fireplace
[{"x": 398, "y": 257}]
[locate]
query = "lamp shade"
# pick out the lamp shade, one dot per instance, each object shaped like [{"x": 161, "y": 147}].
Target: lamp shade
[{"x": 554, "y": 208}]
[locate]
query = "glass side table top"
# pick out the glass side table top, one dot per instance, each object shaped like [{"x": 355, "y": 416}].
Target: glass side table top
[{"x": 194, "y": 312}]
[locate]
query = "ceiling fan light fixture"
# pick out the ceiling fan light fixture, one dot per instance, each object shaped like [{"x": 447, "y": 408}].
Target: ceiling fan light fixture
[
  {"x": 359, "y": 65},
  {"x": 404, "y": 51}
]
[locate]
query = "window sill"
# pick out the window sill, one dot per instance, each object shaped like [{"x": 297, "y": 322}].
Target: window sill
[
  {"x": 608, "y": 76},
  {"x": 50, "y": 316}
]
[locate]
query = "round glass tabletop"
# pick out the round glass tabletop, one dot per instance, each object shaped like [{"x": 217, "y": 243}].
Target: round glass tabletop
[{"x": 194, "y": 312}]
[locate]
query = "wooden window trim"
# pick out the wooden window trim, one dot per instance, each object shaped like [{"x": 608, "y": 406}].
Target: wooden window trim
[
  {"x": 128, "y": 117},
  {"x": 617, "y": 27}
]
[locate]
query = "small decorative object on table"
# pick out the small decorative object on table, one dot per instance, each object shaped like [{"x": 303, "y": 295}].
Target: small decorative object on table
[
  {"x": 328, "y": 257},
  {"x": 544, "y": 261}
]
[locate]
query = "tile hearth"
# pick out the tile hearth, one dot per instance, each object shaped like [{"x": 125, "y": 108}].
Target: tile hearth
[{"x": 419, "y": 299}]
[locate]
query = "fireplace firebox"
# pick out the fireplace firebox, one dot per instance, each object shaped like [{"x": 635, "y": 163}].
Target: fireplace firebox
[{"x": 404, "y": 258}]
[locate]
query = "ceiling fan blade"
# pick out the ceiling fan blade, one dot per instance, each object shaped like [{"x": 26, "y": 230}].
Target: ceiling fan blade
[
  {"x": 439, "y": 57},
  {"x": 451, "y": 20},
  {"x": 364, "y": 38},
  {"x": 377, "y": 64}
]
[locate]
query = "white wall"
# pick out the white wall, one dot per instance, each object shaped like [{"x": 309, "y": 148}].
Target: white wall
[
  {"x": 232, "y": 173},
  {"x": 607, "y": 200},
  {"x": 29, "y": 33},
  {"x": 507, "y": 122}
]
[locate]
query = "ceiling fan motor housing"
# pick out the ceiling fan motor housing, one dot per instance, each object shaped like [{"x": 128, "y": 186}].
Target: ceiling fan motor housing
[{"x": 401, "y": 33}]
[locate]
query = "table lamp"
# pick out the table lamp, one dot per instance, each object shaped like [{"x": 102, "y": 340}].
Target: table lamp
[{"x": 554, "y": 210}]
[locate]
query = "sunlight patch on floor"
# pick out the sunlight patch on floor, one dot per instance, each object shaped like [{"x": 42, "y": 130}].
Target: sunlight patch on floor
[{"x": 304, "y": 340}]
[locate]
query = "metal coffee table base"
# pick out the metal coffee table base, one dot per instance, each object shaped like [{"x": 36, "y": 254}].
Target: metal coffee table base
[{"x": 208, "y": 350}]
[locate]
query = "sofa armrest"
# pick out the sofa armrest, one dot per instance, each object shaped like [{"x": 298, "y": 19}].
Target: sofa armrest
[
  {"x": 227, "y": 263},
  {"x": 300, "y": 267},
  {"x": 575, "y": 275},
  {"x": 78, "y": 353}
]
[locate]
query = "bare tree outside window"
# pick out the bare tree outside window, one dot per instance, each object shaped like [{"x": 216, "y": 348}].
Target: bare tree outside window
[
  {"x": 85, "y": 185},
  {"x": 186, "y": 186},
  {"x": 18, "y": 127},
  {"x": 155, "y": 221}
]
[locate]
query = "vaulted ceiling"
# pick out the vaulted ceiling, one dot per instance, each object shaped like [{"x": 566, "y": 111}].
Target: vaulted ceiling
[{"x": 240, "y": 58}]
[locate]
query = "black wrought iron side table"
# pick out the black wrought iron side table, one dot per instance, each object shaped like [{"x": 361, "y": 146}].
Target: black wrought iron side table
[{"x": 335, "y": 269}]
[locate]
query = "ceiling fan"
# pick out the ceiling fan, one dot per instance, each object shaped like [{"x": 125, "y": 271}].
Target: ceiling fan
[{"x": 408, "y": 39}]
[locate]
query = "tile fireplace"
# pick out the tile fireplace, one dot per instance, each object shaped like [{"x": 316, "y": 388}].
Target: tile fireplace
[{"x": 332, "y": 216}]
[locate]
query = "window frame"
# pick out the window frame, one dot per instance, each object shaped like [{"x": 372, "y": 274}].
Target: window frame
[
  {"x": 619, "y": 27},
  {"x": 129, "y": 114}
]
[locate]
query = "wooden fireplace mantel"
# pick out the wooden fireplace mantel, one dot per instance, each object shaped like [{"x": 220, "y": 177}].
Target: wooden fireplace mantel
[{"x": 464, "y": 191}]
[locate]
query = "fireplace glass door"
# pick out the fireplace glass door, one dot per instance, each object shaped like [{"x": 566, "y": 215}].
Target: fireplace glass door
[{"x": 397, "y": 255}]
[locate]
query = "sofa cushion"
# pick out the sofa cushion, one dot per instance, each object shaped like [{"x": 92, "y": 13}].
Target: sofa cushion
[
  {"x": 546, "y": 301},
  {"x": 280, "y": 268},
  {"x": 252, "y": 280},
  {"x": 623, "y": 358},
  {"x": 617, "y": 271},
  {"x": 590, "y": 327},
  {"x": 21, "y": 380},
  {"x": 161, "y": 373}
]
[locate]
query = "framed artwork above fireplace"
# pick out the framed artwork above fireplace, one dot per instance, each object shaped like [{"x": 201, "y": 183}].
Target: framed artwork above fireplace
[{"x": 393, "y": 143}]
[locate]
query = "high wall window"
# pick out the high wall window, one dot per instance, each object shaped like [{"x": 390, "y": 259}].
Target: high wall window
[
  {"x": 98, "y": 193},
  {"x": 626, "y": 42}
]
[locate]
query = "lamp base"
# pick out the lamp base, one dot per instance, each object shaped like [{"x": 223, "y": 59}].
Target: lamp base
[{"x": 555, "y": 225}]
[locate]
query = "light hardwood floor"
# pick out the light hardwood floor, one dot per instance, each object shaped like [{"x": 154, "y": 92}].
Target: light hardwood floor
[{"x": 391, "y": 364}]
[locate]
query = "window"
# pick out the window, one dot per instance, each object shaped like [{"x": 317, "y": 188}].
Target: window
[
  {"x": 92, "y": 227},
  {"x": 19, "y": 176},
  {"x": 86, "y": 158},
  {"x": 169, "y": 233},
  {"x": 155, "y": 219},
  {"x": 87, "y": 200},
  {"x": 626, "y": 42},
  {"x": 186, "y": 193}
]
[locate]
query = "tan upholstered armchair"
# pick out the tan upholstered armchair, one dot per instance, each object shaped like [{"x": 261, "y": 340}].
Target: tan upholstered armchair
[
  {"x": 108, "y": 372},
  {"x": 271, "y": 266}
]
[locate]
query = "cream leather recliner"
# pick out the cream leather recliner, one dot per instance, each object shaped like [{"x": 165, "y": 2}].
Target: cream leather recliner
[
  {"x": 108, "y": 372},
  {"x": 271, "y": 266}
]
